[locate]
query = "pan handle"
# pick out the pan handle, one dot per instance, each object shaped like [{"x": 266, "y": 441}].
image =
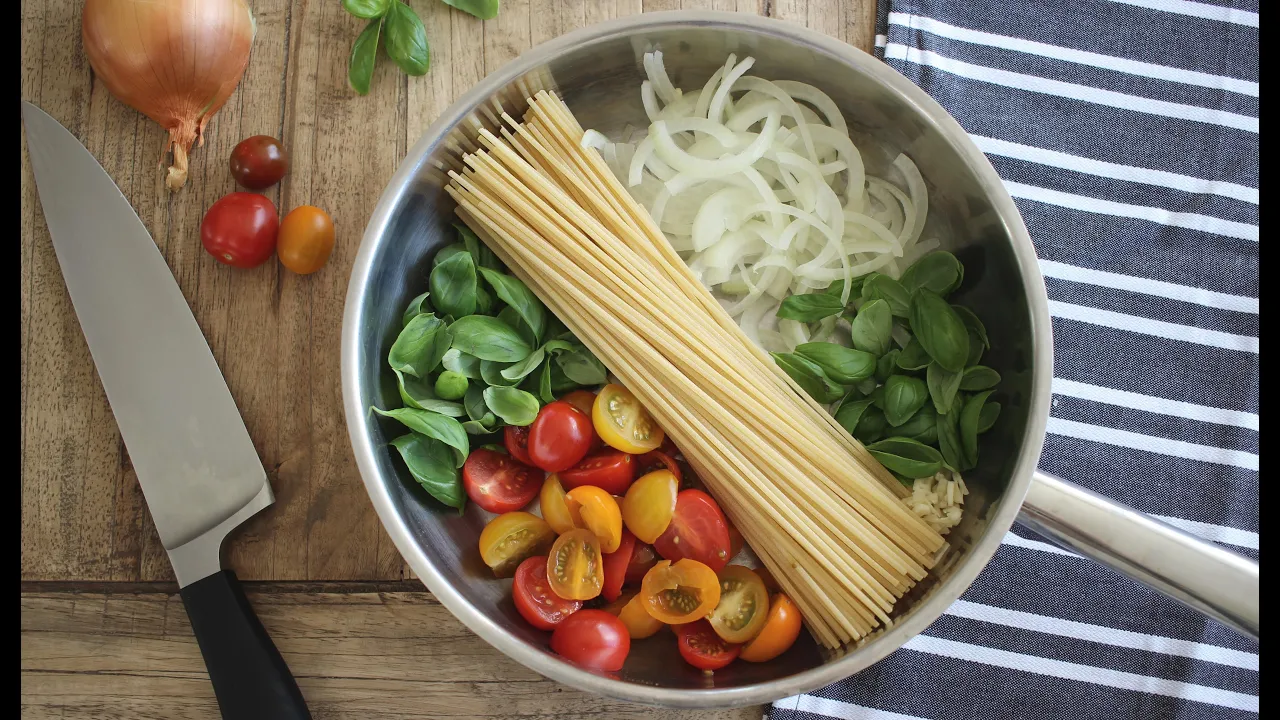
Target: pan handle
[{"x": 1200, "y": 574}]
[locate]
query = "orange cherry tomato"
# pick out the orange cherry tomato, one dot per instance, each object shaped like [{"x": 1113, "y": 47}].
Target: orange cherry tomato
[
  {"x": 306, "y": 239},
  {"x": 680, "y": 593},
  {"x": 581, "y": 399},
  {"x": 630, "y": 610},
  {"x": 575, "y": 566},
  {"x": 649, "y": 505},
  {"x": 555, "y": 505},
  {"x": 623, "y": 423},
  {"x": 743, "y": 606},
  {"x": 512, "y": 537},
  {"x": 781, "y": 628},
  {"x": 599, "y": 513}
]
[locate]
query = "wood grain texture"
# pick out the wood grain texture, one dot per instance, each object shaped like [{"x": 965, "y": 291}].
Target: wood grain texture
[
  {"x": 392, "y": 656},
  {"x": 274, "y": 334}
]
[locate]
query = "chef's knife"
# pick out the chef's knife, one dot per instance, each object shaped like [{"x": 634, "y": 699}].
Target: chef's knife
[{"x": 197, "y": 466}]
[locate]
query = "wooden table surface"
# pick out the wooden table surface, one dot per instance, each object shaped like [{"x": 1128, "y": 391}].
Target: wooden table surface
[{"x": 104, "y": 634}]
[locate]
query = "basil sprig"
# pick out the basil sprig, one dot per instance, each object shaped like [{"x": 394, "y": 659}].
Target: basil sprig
[{"x": 405, "y": 37}]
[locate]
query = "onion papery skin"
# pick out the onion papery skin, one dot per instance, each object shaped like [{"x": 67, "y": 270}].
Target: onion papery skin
[{"x": 175, "y": 61}]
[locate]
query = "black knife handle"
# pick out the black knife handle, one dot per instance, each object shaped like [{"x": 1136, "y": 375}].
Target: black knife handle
[{"x": 249, "y": 677}]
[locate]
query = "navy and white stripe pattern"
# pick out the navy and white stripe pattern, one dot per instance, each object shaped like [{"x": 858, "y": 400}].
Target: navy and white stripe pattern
[{"x": 1127, "y": 133}]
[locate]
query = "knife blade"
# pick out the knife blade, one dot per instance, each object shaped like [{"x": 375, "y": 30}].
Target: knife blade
[{"x": 193, "y": 456}]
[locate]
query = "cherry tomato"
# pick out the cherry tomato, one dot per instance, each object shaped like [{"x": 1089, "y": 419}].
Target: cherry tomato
[
  {"x": 499, "y": 483},
  {"x": 680, "y": 593},
  {"x": 259, "y": 162},
  {"x": 630, "y": 610},
  {"x": 533, "y": 597},
  {"x": 702, "y": 648},
  {"x": 642, "y": 558},
  {"x": 615, "y": 566},
  {"x": 743, "y": 606},
  {"x": 559, "y": 437},
  {"x": 512, "y": 537},
  {"x": 650, "y": 504},
  {"x": 736, "y": 541},
  {"x": 575, "y": 567},
  {"x": 668, "y": 447},
  {"x": 306, "y": 239},
  {"x": 581, "y": 399},
  {"x": 623, "y": 423},
  {"x": 593, "y": 639},
  {"x": 597, "y": 511},
  {"x": 240, "y": 229},
  {"x": 781, "y": 629},
  {"x": 516, "y": 439},
  {"x": 657, "y": 460},
  {"x": 698, "y": 530},
  {"x": 610, "y": 471},
  {"x": 555, "y": 505},
  {"x": 767, "y": 578}
]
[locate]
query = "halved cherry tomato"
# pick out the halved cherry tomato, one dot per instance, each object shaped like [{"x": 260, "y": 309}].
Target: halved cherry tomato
[
  {"x": 516, "y": 439},
  {"x": 781, "y": 628},
  {"x": 630, "y": 610},
  {"x": 702, "y": 648},
  {"x": 597, "y": 511},
  {"x": 642, "y": 558},
  {"x": 559, "y": 437},
  {"x": 743, "y": 606},
  {"x": 615, "y": 566},
  {"x": 240, "y": 229},
  {"x": 623, "y": 423},
  {"x": 736, "y": 541},
  {"x": 668, "y": 447},
  {"x": 532, "y": 594},
  {"x": 499, "y": 483},
  {"x": 306, "y": 239},
  {"x": 575, "y": 567},
  {"x": 657, "y": 460},
  {"x": 555, "y": 505},
  {"x": 611, "y": 471},
  {"x": 698, "y": 530},
  {"x": 512, "y": 537},
  {"x": 649, "y": 505},
  {"x": 680, "y": 593},
  {"x": 593, "y": 639}
]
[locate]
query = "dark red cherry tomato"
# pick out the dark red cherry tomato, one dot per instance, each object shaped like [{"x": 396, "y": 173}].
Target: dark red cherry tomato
[{"x": 259, "y": 162}]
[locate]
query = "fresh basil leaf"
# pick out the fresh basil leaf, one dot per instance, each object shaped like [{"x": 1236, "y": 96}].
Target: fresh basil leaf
[
  {"x": 509, "y": 316},
  {"x": 515, "y": 407},
  {"x": 480, "y": 427},
  {"x": 809, "y": 376},
  {"x": 431, "y": 464},
  {"x": 420, "y": 346},
  {"x": 841, "y": 364},
  {"x": 491, "y": 373},
  {"x": 483, "y": 9},
  {"x": 433, "y": 425},
  {"x": 417, "y": 393},
  {"x": 850, "y": 413},
  {"x": 938, "y": 271},
  {"x": 453, "y": 285},
  {"x": 977, "y": 335},
  {"x": 559, "y": 381},
  {"x": 460, "y": 362},
  {"x": 417, "y": 306},
  {"x": 987, "y": 418},
  {"x": 580, "y": 366},
  {"x": 903, "y": 396},
  {"x": 949, "y": 441},
  {"x": 939, "y": 329},
  {"x": 489, "y": 339},
  {"x": 555, "y": 347},
  {"x": 922, "y": 426},
  {"x": 873, "y": 328},
  {"x": 810, "y": 307},
  {"x": 883, "y": 287},
  {"x": 557, "y": 331},
  {"x": 913, "y": 356},
  {"x": 495, "y": 448},
  {"x": 544, "y": 384},
  {"x": 473, "y": 402},
  {"x": 855, "y": 287},
  {"x": 907, "y": 457},
  {"x": 871, "y": 425},
  {"x": 887, "y": 365},
  {"x": 868, "y": 386},
  {"x": 484, "y": 301},
  {"x": 483, "y": 256},
  {"x": 516, "y": 295},
  {"x": 407, "y": 39},
  {"x": 970, "y": 420},
  {"x": 364, "y": 55},
  {"x": 447, "y": 252},
  {"x": 366, "y": 9},
  {"x": 877, "y": 397},
  {"x": 522, "y": 369},
  {"x": 943, "y": 385},
  {"x": 979, "y": 377}
]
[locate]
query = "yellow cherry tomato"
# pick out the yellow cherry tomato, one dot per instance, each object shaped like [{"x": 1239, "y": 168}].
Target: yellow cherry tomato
[
  {"x": 630, "y": 610},
  {"x": 649, "y": 505},
  {"x": 680, "y": 593},
  {"x": 575, "y": 565},
  {"x": 743, "y": 606},
  {"x": 597, "y": 511},
  {"x": 780, "y": 631},
  {"x": 623, "y": 423},
  {"x": 555, "y": 505},
  {"x": 512, "y": 537}
]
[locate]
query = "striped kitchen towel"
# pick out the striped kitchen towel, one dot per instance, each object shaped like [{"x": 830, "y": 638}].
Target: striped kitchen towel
[{"x": 1127, "y": 133}]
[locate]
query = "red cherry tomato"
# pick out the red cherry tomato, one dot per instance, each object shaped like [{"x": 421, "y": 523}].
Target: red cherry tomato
[
  {"x": 668, "y": 447},
  {"x": 534, "y": 598},
  {"x": 593, "y": 639},
  {"x": 559, "y": 437},
  {"x": 259, "y": 162},
  {"x": 615, "y": 566},
  {"x": 657, "y": 460},
  {"x": 702, "y": 648},
  {"x": 516, "y": 440},
  {"x": 642, "y": 558},
  {"x": 499, "y": 483},
  {"x": 611, "y": 471},
  {"x": 240, "y": 229},
  {"x": 698, "y": 530}
]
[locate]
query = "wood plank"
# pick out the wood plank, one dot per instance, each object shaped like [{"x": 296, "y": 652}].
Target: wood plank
[{"x": 398, "y": 656}]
